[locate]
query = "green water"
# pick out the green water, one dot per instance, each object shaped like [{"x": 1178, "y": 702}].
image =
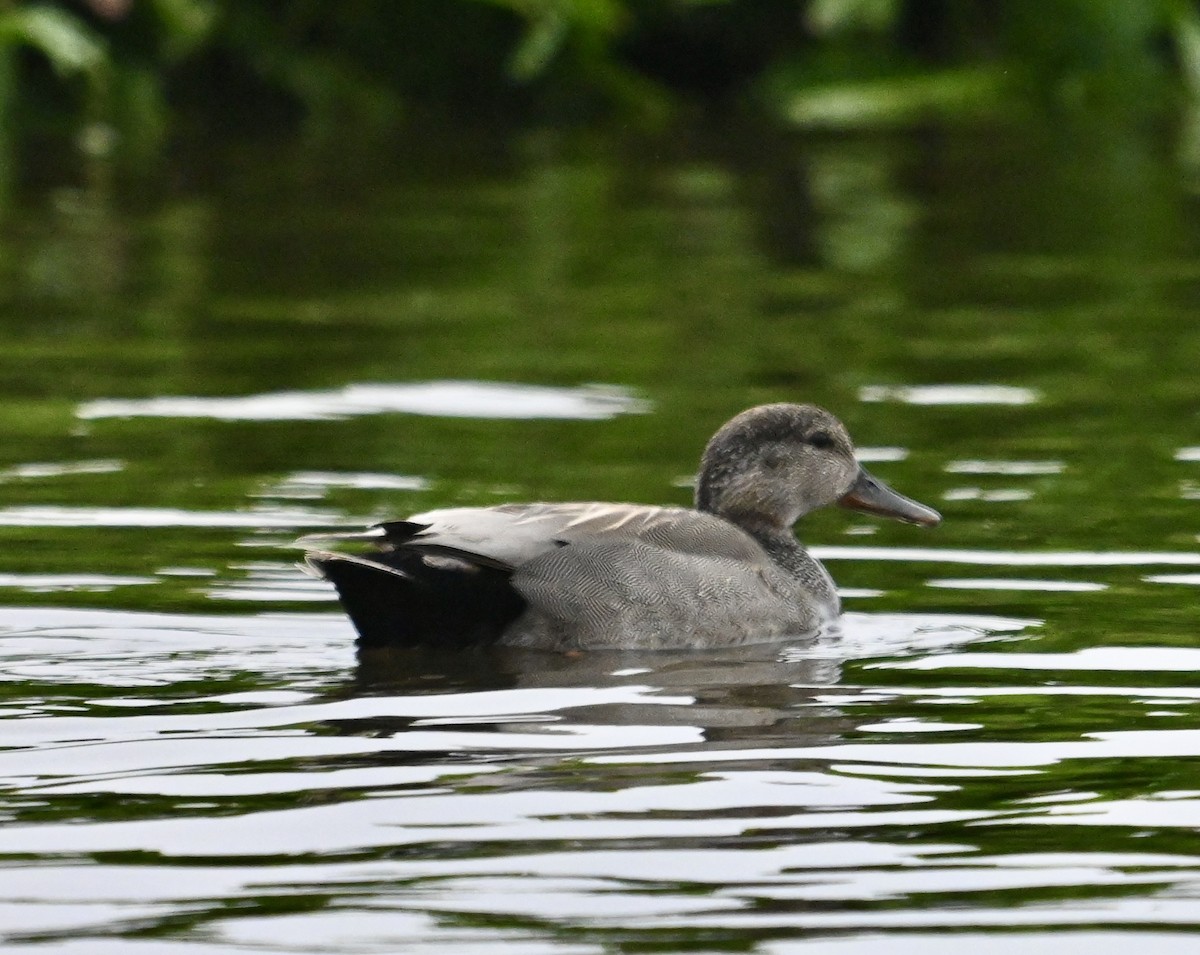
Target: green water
[{"x": 261, "y": 340}]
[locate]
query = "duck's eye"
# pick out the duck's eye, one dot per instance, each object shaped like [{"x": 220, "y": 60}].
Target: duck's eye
[{"x": 821, "y": 439}]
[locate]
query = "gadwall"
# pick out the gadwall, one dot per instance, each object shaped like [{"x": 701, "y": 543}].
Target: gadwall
[{"x": 632, "y": 576}]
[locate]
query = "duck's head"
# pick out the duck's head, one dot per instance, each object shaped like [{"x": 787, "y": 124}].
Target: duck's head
[{"x": 771, "y": 465}]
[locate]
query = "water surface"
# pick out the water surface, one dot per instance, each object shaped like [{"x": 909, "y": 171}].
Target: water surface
[{"x": 997, "y": 747}]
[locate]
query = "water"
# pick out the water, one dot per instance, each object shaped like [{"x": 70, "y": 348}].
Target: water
[{"x": 998, "y": 747}]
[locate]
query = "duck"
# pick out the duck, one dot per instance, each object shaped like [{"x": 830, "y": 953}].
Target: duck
[{"x": 582, "y": 576}]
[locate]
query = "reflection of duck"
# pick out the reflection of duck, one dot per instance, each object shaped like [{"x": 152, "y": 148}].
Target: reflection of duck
[
  {"x": 591, "y": 575},
  {"x": 746, "y": 696}
]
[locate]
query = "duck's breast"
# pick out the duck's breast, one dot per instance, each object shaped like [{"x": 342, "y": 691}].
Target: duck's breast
[{"x": 618, "y": 594}]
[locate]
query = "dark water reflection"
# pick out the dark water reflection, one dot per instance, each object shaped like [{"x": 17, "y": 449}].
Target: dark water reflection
[{"x": 999, "y": 746}]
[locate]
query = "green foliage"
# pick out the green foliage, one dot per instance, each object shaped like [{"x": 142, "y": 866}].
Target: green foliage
[
  {"x": 138, "y": 67},
  {"x": 895, "y": 100},
  {"x": 70, "y": 46},
  {"x": 185, "y": 25},
  {"x": 886, "y": 61},
  {"x": 551, "y": 23}
]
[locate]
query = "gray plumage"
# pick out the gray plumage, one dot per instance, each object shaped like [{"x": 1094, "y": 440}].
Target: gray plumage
[{"x": 596, "y": 575}]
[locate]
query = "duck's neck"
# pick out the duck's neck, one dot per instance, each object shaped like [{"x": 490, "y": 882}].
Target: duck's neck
[
  {"x": 781, "y": 546},
  {"x": 793, "y": 558}
]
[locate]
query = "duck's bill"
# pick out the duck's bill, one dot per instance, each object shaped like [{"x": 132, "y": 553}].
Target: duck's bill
[{"x": 872, "y": 496}]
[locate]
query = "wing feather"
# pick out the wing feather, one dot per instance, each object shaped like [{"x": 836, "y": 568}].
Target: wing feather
[{"x": 515, "y": 534}]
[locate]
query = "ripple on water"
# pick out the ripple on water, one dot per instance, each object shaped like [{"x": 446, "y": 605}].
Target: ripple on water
[
  {"x": 1001, "y": 558},
  {"x": 465, "y": 399},
  {"x": 1006, "y": 468},
  {"x": 1004, "y": 583},
  {"x": 990, "y": 495},
  {"x": 316, "y": 483},
  {"x": 752, "y": 790},
  {"x": 53, "y": 469},
  {"x": 52, "y": 583},
  {"x": 962, "y": 394},
  {"x": 255, "y": 517}
]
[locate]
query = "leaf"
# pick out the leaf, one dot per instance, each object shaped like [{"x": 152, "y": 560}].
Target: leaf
[
  {"x": 538, "y": 47},
  {"x": 65, "y": 41},
  {"x": 827, "y": 17},
  {"x": 1187, "y": 42},
  {"x": 550, "y": 24},
  {"x": 188, "y": 23}
]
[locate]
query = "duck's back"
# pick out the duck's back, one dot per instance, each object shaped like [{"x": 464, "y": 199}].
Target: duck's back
[{"x": 514, "y": 534}]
